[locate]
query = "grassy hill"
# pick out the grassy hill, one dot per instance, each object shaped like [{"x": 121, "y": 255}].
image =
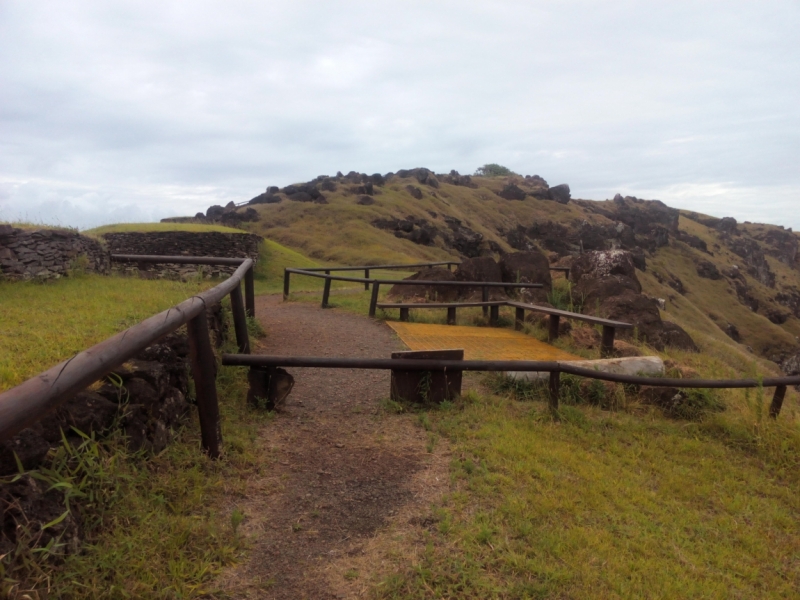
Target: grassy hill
[{"x": 344, "y": 231}]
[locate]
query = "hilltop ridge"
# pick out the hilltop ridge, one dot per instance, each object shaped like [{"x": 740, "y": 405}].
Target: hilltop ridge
[{"x": 736, "y": 283}]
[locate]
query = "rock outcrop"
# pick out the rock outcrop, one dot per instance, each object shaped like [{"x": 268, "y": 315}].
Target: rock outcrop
[
  {"x": 426, "y": 293},
  {"x": 526, "y": 267},
  {"x": 606, "y": 286}
]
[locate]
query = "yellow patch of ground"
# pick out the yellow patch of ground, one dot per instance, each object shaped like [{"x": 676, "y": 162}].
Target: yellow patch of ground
[{"x": 479, "y": 343}]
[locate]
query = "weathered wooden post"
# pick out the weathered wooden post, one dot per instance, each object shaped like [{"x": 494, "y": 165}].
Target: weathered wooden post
[
  {"x": 552, "y": 331},
  {"x": 519, "y": 318},
  {"x": 373, "y": 302},
  {"x": 451, "y": 315},
  {"x": 607, "y": 343},
  {"x": 554, "y": 388},
  {"x": 239, "y": 321},
  {"x": 326, "y": 291},
  {"x": 286, "y": 275},
  {"x": 494, "y": 316},
  {"x": 404, "y": 314},
  {"x": 204, "y": 372},
  {"x": 250, "y": 293},
  {"x": 777, "y": 401},
  {"x": 366, "y": 283},
  {"x": 426, "y": 387}
]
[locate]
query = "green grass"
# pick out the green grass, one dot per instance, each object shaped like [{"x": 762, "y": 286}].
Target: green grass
[
  {"x": 153, "y": 526},
  {"x": 43, "y": 324},
  {"x": 600, "y": 504},
  {"x": 149, "y": 227}
]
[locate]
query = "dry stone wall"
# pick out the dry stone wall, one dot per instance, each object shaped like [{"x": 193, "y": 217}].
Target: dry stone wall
[
  {"x": 48, "y": 253},
  {"x": 182, "y": 243}
]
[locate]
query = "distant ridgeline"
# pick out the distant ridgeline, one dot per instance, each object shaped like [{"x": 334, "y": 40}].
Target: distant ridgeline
[{"x": 52, "y": 253}]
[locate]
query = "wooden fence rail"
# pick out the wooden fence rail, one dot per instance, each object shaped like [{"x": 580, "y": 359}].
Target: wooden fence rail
[
  {"x": 555, "y": 368},
  {"x": 25, "y": 404}
]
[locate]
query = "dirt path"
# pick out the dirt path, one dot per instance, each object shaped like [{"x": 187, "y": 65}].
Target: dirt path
[{"x": 346, "y": 484}]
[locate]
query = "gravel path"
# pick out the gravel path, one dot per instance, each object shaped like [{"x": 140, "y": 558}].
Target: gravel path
[{"x": 338, "y": 468}]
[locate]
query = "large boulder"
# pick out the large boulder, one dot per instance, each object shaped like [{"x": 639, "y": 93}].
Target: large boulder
[
  {"x": 707, "y": 270},
  {"x": 560, "y": 193},
  {"x": 606, "y": 286},
  {"x": 527, "y": 267},
  {"x": 642, "y": 312},
  {"x": 512, "y": 192},
  {"x": 480, "y": 268},
  {"x": 426, "y": 293},
  {"x": 603, "y": 263}
]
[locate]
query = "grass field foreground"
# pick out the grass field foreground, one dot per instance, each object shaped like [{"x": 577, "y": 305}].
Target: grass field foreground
[
  {"x": 42, "y": 324},
  {"x": 157, "y": 526},
  {"x": 600, "y": 504}
]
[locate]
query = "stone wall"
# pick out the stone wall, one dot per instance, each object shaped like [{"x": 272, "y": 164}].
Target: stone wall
[
  {"x": 48, "y": 253},
  {"x": 182, "y": 243}
]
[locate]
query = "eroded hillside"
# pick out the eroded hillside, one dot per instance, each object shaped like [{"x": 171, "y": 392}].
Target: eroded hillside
[{"x": 735, "y": 283}]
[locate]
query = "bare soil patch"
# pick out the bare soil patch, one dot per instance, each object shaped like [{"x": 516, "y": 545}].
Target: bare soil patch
[{"x": 346, "y": 487}]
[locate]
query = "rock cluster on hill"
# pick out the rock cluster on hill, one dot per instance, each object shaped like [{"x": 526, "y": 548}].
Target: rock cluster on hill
[{"x": 605, "y": 284}]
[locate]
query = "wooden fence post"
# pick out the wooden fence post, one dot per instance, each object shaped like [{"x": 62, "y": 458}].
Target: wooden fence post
[
  {"x": 552, "y": 331},
  {"x": 286, "y": 275},
  {"x": 451, "y": 315},
  {"x": 240, "y": 321},
  {"x": 485, "y": 298},
  {"x": 554, "y": 388},
  {"x": 204, "y": 367},
  {"x": 607, "y": 343},
  {"x": 494, "y": 316},
  {"x": 326, "y": 292},
  {"x": 250, "y": 293},
  {"x": 777, "y": 401},
  {"x": 519, "y": 319},
  {"x": 366, "y": 283},
  {"x": 373, "y": 303}
]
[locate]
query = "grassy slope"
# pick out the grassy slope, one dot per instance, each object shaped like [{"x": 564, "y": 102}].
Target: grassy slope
[
  {"x": 43, "y": 324},
  {"x": 601, "y": 505},
  {"x": 340, "y": 232},
  {"x": 148, "y": 227},
  {"x": 157, "y": 527}
]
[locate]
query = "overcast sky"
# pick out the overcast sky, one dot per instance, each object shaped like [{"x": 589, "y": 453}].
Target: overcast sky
[{"x": 131, "y": 111}]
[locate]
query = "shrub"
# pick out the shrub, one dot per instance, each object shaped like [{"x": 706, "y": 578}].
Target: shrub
[{"x": 493, "y": 170}]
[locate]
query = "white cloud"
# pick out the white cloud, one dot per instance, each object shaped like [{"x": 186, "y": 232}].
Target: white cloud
[{"x": 170, "y": 107}]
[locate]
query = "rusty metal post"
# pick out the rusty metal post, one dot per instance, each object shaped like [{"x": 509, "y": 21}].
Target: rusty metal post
[
  {"x": 554, "y": 388},
  {"x": 240, "y": 321},
  {"x": 250, "y": 293},
  {"x": 404, "y": 314},
  {"x": 607, "y": 344},
  {"x": 286, "y": 275},
  {"x": 519, "y": 319},
  {"x": 366, "y": 283},
  {"x": 451, "y": 315},
  {"x": 204, "y": 372},
  {"x": 326, "y": 292},
  {"x": 494, "y": 316},
  {"x": 373, "y": 303},
  {"x": 777, "y": 401},
  {"x": 485, "y": 298},
  {"x": 552, "y": 331}
]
